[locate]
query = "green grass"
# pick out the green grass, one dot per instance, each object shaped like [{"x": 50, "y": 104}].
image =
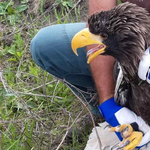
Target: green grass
[
  {"x": 35, "y": 108},
  {"x": 119, "y": 2}
]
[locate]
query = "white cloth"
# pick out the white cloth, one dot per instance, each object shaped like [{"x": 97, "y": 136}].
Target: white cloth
[
  {"x": 144, "y": 66},
  {"x": 108, "y": 139}
]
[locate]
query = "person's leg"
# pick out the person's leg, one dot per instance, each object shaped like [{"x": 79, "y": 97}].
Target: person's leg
[{"x": 51, "y": 50}]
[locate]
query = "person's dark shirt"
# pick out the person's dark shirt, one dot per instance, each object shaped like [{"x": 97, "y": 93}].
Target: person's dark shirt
[{"x": 141, "y": 3}]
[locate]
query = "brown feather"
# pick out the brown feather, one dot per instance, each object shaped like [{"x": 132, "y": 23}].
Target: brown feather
[{"x": 128, "y": 30}]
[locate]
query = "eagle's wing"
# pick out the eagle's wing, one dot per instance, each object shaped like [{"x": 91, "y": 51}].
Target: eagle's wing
[{"x": 122, "y": 87}]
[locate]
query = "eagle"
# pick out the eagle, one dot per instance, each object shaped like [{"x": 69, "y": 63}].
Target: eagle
[{"x": 123, "y": 33}]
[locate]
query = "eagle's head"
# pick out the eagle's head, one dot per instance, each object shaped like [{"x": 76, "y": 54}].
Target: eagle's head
[{"x": 122, "y": 32}]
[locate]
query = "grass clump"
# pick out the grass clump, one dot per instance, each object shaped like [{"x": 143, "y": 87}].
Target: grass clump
[{"x": 36, "y": 109}]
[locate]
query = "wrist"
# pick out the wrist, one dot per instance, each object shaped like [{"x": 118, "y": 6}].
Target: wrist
[
  {"x": 106, "y": 97},
  {"x": 109, "y": 108}
]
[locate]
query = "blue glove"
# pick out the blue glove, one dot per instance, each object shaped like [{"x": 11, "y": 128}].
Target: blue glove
[{"x": 116, "y": 115}]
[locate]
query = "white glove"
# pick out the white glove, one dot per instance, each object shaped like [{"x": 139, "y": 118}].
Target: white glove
[
  {"x": 108, "y": 139},
  {"x": 144, "y": 66},
  {"x": 146, "y": 147},
  {"x": 116, "y": 115}
]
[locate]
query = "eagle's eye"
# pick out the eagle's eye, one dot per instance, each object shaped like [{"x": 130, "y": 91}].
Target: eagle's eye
[{"x": 104, "y": 36}]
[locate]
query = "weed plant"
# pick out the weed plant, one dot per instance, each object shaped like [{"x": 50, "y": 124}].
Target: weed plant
[{"x": 36, "y": 109}]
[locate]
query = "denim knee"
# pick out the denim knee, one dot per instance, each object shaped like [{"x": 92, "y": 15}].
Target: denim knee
[
  {"x": 45, "y": 50},
  {"x": 35, "y": 49},
  {"x": 51, "y": 50}
]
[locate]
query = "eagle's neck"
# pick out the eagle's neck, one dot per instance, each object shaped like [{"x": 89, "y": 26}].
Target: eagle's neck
[
  {"x": 128, "y": 52},
  {"x": 128, "y": 55}
]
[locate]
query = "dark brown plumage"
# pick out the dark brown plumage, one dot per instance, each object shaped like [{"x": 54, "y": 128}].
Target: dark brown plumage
[{"x": 128, "y": 30}]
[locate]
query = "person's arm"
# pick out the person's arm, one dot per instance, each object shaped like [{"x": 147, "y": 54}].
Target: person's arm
[
  {"x": 98, "y": 5},
  {"x": 102, "y": 66},
  {"x": 102, "y": 70}
]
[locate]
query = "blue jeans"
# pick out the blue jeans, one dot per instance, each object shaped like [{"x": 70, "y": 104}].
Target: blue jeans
[{"x": 51, "y": 50}]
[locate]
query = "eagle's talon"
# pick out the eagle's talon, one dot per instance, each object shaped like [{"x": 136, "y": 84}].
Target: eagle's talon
[{"x": 131, "y": 138}]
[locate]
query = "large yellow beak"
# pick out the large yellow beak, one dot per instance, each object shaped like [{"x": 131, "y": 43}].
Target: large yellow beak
[{"x": 84, "y": 38}]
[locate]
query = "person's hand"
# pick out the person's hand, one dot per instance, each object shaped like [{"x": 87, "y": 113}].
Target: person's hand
[{"x": 116, "y": 115}]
